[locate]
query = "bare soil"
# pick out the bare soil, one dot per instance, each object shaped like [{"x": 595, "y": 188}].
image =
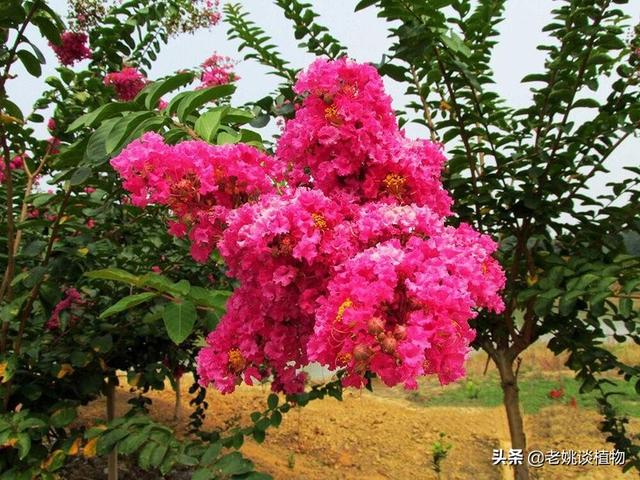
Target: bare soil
[{"x": 371, "y": 436}]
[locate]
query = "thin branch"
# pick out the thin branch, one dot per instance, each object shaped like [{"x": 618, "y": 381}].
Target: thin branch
[
  {"x": 426, "y": 112},
  {"x": 463, "y": 135}
]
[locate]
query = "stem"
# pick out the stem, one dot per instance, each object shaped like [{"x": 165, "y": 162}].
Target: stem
[
  {"x": 12, "y": 54},
  {"x": 581, "y": 71},
  {"x": 8, "y": 273},
  {"x": 463, "y": 134},
  {"x": 24, "y": 313},
  {"x": 5, "y": 287},
  {"x": 425, "y": 107},
  {"x": 177, "y": 409},
  {"x": 31, "y": 178},
  {"x": 112, "y": 467}
]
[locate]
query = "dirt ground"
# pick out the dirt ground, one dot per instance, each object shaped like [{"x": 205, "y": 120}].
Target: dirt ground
[{"x": 371, "y": 436}]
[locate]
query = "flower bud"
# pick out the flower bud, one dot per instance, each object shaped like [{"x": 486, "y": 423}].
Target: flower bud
[
  {"x": 400, "y": 332},
  {"x": 375, "y": 325},
  {"x": 389, "y": 345},
  {"x": 361, "y": 353}
]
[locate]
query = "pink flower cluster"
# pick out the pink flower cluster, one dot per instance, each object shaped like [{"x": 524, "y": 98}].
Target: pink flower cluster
[
  {"x": 340, "y": 242},
  {"x": 72, "y": 299},
  {"x": 72, "y": 48},
  {"x": 16, "y": 163},
  {"x": 212, "y": 11},
  {"x": 199, "y": 182},
  {"x": 217, "y": 70},
  {"x": 127, "y": 83}
]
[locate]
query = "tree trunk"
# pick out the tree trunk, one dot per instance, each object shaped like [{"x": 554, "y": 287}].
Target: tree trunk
[
  {"x": 112, "y": 467},
  {"x": 511, "y": 400},
  {"x": 178, "y": 405}
]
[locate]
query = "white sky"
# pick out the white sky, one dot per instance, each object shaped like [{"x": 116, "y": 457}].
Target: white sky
[{"x": 365, "y": 36}]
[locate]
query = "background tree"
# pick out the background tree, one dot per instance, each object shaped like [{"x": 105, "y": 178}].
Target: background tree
[
  {"x": 66, "y": 333},
  {"x": 522, "y": 175}
]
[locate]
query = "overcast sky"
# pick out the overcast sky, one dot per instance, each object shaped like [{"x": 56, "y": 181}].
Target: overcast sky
[{"x": 366, "y": 39}]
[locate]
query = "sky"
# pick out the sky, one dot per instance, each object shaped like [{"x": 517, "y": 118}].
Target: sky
[{"x": 365, "y": 37}]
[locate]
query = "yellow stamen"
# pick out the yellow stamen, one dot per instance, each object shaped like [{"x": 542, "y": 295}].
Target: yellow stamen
[
  {"x": 332, "y": 115},
  {"x": 236, "y": 360},
  {"x": 344, "y": 358},
  {"x": 395, "y": 184},
  {"x": 341, "y": 309},
  {"x": 351, "y": 90},
  {"x": 319, "y": 221}
]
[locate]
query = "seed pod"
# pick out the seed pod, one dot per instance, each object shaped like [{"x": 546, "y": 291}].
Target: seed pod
[
  {"x": 389, "y": 345},
  {"x": 400, "y": 332},
  {"x": 375, "y": 325},
  {"x": 361, "y": 353}
]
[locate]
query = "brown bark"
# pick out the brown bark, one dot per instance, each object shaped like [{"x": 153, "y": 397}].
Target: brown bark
[
  {"x": 177, "y": 409},
  {"x": 511, "y": 400},
  {"x": 112, "y": 467}
]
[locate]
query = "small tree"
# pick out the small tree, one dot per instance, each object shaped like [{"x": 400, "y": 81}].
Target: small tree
[{"x": 522, "y": 175}]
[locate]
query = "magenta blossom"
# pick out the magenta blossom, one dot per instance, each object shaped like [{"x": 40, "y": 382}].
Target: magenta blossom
[
  {"x": 72, "y": 48},
  {"x": 127, "y": 83},
  {"x": 339, "y": 242},
  {"x": 72, "y": 299}
]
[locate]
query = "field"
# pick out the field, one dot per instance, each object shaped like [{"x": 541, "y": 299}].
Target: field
[{"x": 390, "y": 433}]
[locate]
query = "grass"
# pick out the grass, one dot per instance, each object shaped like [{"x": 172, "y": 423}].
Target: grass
[{"x": 534, "y": 394}]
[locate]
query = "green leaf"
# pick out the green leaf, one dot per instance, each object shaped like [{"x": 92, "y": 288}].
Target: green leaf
[
  {"x": 48, "y": 29},
  {"x": 11, "y": 13},
  {"x": 159, "y": 88},
  {"x": 158, "y": 454},
  {"x": 276, "y": 418},
  {"x": 586, "y": 103},
  {"x": 203, "y": 474},
  {"x": 30, "y": 62},
  {"x": 96, "y": 152},
  {"x": 123, "y": 129},
  {"x": 101, "y": 113},
  {"x": 144, "y": 458},
  {"x": 102, "y": 344},
  {"x": 11, "y": 108},
  {"x": 24, "y": 444},
  {"x": 128, "y": 302},
  {"x": 259, "y": 435},
  {"x": 238, "y": 116},
  {"x": 225, "y": 138},
  {"x": 33, "y": 249},
  {"x": 163, "y": 284},
  {"x": 456, "y": 44},
  {"x": 63, "y": 417},
  {"x": 625, "y": 307},
  {"x": 542, "y": 306},
  {"x": 114, "y": 274},
  {"x": 209, "y": 298},
  {"x": 179, "y": 320},
  {"x": 211, "y": 454},
  {"x": 364, "y": 4},
  {"x": 233, "y": 464},
  {"x": 207, "y": 124},
  {"x": 196, "y": 99},
  {"x": 175, "y": 103},
  {"x": 107, "y": 441},
  {"x": 272, "y": 401},
  {"x": 41, "y": 199},
  {"x": 534, "y": 77},
  {"x": 81, "y": 175},
  {"x": 260, "y": 121}
]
